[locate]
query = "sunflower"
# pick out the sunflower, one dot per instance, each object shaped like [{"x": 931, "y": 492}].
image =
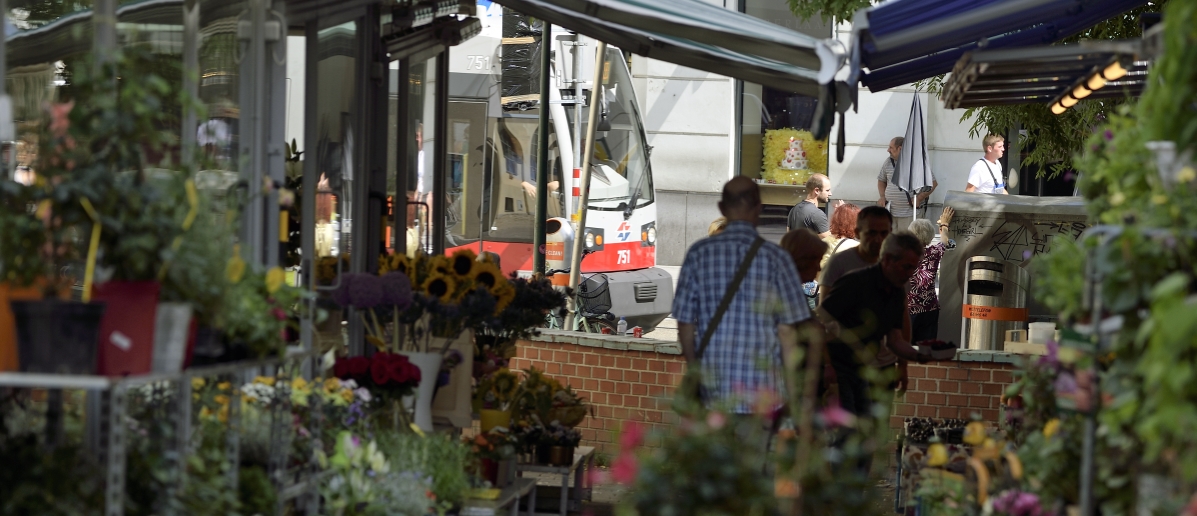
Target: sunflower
[
  {"x": 504, "y": 295},
  {"x": 395, "y": 263},
  {"x": 440, "y": 286},
  {"x": 463, "y": 262},
  {"x": 487, "y": 275},
  {"x": 440, "y": 264}
]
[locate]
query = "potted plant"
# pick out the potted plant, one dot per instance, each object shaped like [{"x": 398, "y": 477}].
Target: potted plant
[
  {"x": 496, "y": 396},
  {"x": 257, "y": 312},
  {"x": 492, "y": 450},
  {"x": 557, "y": 443}
]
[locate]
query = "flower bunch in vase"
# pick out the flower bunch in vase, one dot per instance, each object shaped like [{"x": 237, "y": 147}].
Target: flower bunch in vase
[
  {"x": 495, "y": 338},
  {"x": 500, "y": 391},
  {"x": 390, "y": 377},
  {"x": 550, "y": 401},
  {"x": 450, "y": 295}
]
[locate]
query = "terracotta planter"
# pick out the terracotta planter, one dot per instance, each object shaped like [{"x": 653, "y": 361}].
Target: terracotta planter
[
  {"x": 561, "y": 456},
  {"x": 57, "y": 336},
  {"x": 127, "y": 330},
  {"x": 8, "y": 327}
]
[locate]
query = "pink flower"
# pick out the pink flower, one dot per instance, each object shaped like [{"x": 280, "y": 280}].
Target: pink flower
[
  {"x": 836, "y": 416},
  {"x": 278, "y": 313},
  {"x": 633, "y": 436},
  {"x": 625, "y": 468},
  {"x": 599, "y": 477},
  {"x": 716, "y": 420},
  {"x": 60, "y": 118}
]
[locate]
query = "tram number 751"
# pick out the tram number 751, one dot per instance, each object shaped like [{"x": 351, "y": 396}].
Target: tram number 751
[
  {"x": 624, "y": 256},
  {"x": 477, "y": 62}
]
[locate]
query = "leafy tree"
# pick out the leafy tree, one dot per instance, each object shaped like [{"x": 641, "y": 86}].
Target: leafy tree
[{"x": 1051, "y": 141}]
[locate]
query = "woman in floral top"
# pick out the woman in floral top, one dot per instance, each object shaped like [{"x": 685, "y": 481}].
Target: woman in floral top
[{"x": 924, "y": 304}]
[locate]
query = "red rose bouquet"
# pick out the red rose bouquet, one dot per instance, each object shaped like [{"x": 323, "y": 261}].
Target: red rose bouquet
[{"x": 388, "y": 376}]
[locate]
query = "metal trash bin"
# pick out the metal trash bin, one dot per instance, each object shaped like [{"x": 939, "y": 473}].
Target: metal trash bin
[{"x": 995, "y": 300}]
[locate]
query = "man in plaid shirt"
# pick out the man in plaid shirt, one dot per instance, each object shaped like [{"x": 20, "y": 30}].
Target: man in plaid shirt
[{"x": 744, "y": 356}]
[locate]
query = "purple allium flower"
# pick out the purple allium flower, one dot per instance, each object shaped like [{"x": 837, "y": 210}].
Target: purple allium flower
[
  {"x": 1026, "y": 255},
  {"x": 396, "y": 290},
  {"x": 1109, "y": 135},
  {"x": 1069, "y": 176},
  {"x": 365, "y": 291},
  {"x": 1066, "y": 383},
  {"x": 1052, "y": 358},
  {"x": 340, "y": 295}
]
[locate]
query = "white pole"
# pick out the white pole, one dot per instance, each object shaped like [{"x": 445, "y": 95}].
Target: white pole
[{"x": 575, "y": 262}]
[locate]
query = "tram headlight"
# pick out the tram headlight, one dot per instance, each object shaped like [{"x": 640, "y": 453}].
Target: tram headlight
[
  {"x": 648, "y": 235},
  {"x": 593, "y": 239}
]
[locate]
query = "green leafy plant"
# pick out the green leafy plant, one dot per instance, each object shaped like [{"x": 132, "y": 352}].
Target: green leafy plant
[{"x": 438, "y": 457}]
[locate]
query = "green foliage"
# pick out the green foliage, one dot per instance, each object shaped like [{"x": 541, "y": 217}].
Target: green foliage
[
  {"x": 256, "y": 311},
  {"x": 838, "y": 9},
  {"x": 33, "y": 480},
  {"x": 437, "y": 456},
  {"x": 1170, "y": 105},
  {"x": 196, "y": 274},
  {"x": 255, "y": 492}
]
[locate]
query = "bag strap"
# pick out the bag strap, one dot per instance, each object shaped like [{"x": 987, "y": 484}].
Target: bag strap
[
  {"x": 991, "y": 176},
  {"x": 732, "y": 288}
]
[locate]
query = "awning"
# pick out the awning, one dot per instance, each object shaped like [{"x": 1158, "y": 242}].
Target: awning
[
  {"x": 677, "y": 31},
  {"x": 72, "y": 34},
  {"x": 903, "y": 41},
  {"x": 1041, "y": 74}
]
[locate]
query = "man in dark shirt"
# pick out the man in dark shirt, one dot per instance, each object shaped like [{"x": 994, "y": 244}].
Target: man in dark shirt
[
  {"x": 807, "y": 214},
  {"x": 864, "y": 311}
]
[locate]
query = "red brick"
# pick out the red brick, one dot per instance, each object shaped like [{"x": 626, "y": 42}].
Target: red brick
[
  {"x": 536, "y": 365},
  {"x": 588, "y": 434},
  {"x": 1003, "y": 377},
  {"x": 553, "y": 368},
  {"x": 626, "y": 388},
  {"x": 620, "y": 413},
  {"x": 648, "y": 378},
  {"x": 640, "y": 364},
  {"x": 674, "y": 366},
  {"x": 531, "y": 354},
  {"x": 979, "y": 401},
  {"x": 949, "y": 386},
  {"x": 569, "y": 370},
  {"x": 575, "y": 382},
  {"x": 604, "y": 412},
  {"x": 956, "y": 400},
  {"x": 607, "y": 386},
  {"x": 614, "y": 375},
  {"x": 970, "y": 388},
  {"x": 615, "y": 400},
  {"x": 937, "y": 399},
  {"x": 896, "y": 422},
  {"x": 591, "y": 359},
  {"x": 575, "y": 358},
  {"x": 656, "y": 391},
  {"x": 623, "y": 362},
  {"x": 591, "y": 385},
  {"x": 993, "y": 389},
  {"x": 937, "y": 372},
  {"x": 925, "y": 411},
  {"x": 917, "y": 398},
  {"x": 916, "y": 371},
  {"x": 927, "y": 385},
  {"x": 597, "y": 398},
  {"x": 639, "y": 389},
  {"x": 631, "y": 376},
  {"x": 583, "y": 371},
  {"x": 979, "y": 375},
  {"x": 599, "y": 372},
  {"x": 656, "y": 365},
  {"x": 607, "y": 360},
  {"x": 991, "y": 416},
  {"x": 949, "y": 412},
  {"x": 654, "y": 416},
  {"x": 631, "y": 402},
  {"x": 958, "y": 374}
]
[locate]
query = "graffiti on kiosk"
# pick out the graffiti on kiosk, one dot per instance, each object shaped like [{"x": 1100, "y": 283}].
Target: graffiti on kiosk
[{"x": 1014, "y": 240}]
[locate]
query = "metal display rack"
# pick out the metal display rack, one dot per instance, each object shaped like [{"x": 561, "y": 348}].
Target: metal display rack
[{"x": 107, "y": 412}]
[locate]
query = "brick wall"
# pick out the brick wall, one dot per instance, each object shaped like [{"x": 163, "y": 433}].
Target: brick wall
[{"x": 633, "y": 380}]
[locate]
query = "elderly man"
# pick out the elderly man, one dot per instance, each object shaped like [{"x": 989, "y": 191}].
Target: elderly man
[
  {"x": 986, "y": 175},
  {"x": 744, "y": 344},
  {"x": 901, "y": 203},
  {"x": 865, "y": 314}
]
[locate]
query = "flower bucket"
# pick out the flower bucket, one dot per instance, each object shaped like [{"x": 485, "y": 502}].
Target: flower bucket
[
  {"x": 420, "y": 403},
  {"x": 453, "y": 402},
  {"x": 127, "y": 330},
  {"x": 57, "y": 336},
  {"x": 491, "y": 419},
  {"x": 8, "y": 325},
  {"x": 561, "y": 456},
  {"x": 172, "y": 329}
]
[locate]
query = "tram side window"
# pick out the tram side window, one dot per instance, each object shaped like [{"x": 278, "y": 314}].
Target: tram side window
[{"x": 511, "y": 200}]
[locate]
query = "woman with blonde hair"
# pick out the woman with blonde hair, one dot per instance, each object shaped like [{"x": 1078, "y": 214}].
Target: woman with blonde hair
[{"x": 717, "y": 226}]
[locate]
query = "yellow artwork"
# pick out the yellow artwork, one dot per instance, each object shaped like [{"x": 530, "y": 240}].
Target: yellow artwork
[{"x": 777, "y": 141}]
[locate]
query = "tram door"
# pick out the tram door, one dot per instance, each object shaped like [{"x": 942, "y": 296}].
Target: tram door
[{"x": 466, "y": 170}]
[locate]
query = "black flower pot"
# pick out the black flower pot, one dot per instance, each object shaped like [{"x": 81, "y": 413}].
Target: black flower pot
[{"x": 59, "y": 337}]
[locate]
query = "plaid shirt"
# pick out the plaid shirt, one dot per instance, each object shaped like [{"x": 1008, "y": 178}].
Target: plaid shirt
[{"x": 744, "y": 355}]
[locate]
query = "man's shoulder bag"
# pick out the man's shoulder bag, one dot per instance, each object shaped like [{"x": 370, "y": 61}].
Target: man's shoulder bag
[{"x": 691, "y": 386}]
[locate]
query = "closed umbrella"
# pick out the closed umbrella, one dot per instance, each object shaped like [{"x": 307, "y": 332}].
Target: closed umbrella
[{"x": 913, "y": 173}]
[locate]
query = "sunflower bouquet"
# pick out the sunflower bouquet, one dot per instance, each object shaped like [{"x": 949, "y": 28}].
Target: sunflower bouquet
[{"x": 449, "y": 294}]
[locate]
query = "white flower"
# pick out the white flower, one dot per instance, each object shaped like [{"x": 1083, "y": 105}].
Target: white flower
[{"x": 363, "y": 394}]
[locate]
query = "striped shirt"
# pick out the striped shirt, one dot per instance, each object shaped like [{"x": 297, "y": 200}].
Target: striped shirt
[
  {"x": 744, "y": 355},
  {"x": 899, "y": 203}
]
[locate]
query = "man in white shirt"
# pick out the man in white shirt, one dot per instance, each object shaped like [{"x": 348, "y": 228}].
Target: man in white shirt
[
  {"x": 986, "y": 175},
  {"x": 900, "y": 202}
]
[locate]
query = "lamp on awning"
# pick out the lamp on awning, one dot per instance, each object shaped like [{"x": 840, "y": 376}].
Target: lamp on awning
[{"x": 1099, "y": 78}]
